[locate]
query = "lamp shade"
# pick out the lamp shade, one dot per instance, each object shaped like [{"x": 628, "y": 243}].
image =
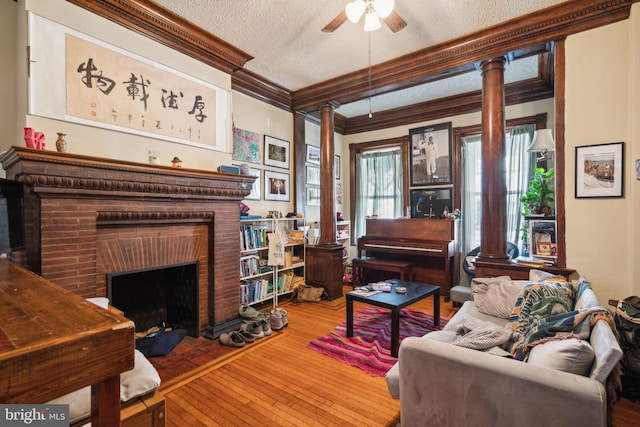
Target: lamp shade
[
  {"x": 371, "y": 21},
  {"x": 542, "y": 141},
  {"x": 354, "y": 10},
  {"x": 383, "y": 7}
]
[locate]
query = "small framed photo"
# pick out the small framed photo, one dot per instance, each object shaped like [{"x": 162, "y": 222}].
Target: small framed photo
[
  {"x": 276, "y": 152},
  {"x": 255, "y": 189},
  {"x": 313, "y": 175},
  {"x": 276, "y": 186},
  {"x": 544, "y": 248},
  {"x": 600, "y": 170},
  {"x": 313, "y": 154},
  {"x": 313, "y": 196},
  {"x": 336, "y": 166}
]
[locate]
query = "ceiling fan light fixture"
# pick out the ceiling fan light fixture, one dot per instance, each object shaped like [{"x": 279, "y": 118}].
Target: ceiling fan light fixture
[
  {"x": 371, "y": 21},
  {"x": 383, "y": 7},
  {"x": 354, "y": 10}
]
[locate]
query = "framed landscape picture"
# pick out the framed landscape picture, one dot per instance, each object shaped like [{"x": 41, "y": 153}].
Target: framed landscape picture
[
  {"x": 276, "y": 186},
  {"x": 430, "y": 154},
  {"x": 276, "y": 152},
  {"x": 313, "y": 154},
  {"x": 599, "y": 170}
]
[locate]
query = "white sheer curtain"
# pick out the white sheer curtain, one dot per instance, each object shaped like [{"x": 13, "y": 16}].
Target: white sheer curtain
[
  {"x": 518, "y": 164},
  {"x": 379, "y": 186}
]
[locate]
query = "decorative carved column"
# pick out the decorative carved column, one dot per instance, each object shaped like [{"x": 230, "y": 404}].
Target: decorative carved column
[
  {"x": 493, "y": 244},
  {"x": 327, "y": 176},
  {"x": 323, "y": 266}
]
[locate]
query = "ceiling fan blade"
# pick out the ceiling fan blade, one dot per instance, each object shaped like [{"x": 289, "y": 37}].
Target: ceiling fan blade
[
  {"x": 395, "y": 21},
  {"x": 335, "y": 23}
]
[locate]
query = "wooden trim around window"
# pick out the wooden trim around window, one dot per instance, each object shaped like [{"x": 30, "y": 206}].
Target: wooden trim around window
[{"x": 355, "y": 149}]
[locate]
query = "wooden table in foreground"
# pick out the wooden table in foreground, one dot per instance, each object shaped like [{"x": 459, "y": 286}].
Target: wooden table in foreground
[
  {"x": 396, "y": 302},
  {"x": 53, "y": 342}
]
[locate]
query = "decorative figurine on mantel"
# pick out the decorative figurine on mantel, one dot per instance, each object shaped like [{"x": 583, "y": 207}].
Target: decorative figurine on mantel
[
  {"x": 176, "y": 162},
  {"x": 61, "y": 144}
]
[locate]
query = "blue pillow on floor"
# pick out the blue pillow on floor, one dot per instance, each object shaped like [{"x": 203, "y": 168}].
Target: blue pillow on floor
[{"x": 160, "y": 344}]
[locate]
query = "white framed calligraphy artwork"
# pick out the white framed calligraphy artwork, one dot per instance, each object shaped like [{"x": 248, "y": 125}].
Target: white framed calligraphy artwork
[{"x": 105, "y": 86}]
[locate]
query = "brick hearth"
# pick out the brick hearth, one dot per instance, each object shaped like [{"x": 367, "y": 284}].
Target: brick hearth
[{"x": 86, "y": 217}]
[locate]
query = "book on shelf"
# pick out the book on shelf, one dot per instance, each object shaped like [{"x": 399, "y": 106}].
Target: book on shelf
[{"x": 534, "y": 261}]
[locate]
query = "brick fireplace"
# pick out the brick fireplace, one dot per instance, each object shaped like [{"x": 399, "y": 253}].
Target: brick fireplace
[{"x": 87, "y": 218}]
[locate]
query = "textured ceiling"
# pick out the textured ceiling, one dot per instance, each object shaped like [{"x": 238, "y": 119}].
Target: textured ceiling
[{"x": 288, "y": 48}]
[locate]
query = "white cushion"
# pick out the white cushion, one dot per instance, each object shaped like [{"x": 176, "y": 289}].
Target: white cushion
[
  {"x": 571, "y": 355},
  {"x": 140, "y": 380},
  {"x": 496, "y": 296}
]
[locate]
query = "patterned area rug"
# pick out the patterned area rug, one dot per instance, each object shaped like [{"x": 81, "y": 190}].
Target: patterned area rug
[{"x": 368, "y": 349}]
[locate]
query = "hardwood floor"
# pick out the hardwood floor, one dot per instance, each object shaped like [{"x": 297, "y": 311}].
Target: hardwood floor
[{"x": 277, "y": 381}]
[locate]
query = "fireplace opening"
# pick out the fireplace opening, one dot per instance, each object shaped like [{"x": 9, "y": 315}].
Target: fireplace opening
[{"x": 159, "y": 296}]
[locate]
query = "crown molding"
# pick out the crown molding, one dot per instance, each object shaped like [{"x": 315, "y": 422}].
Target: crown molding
[
  {"x": 520, "y": 37},
  {"x": 159, "y": 24}
]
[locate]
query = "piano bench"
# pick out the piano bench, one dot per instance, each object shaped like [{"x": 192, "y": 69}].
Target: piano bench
[
  {"x": 459, "y": 294},
  {"x": 360, "y": 265}
]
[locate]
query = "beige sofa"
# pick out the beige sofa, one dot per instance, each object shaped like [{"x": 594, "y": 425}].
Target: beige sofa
[{"x": 562, "y": 383}]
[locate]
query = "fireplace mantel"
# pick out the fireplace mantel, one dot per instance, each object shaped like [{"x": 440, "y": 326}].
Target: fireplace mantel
[{"x": 86, "y": 217}]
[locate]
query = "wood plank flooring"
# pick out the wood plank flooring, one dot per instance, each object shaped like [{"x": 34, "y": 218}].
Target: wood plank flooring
[{"x": 277, "y": 381}]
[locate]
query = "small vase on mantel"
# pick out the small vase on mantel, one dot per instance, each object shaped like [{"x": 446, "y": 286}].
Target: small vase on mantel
[{"x": 61, "y": 144}]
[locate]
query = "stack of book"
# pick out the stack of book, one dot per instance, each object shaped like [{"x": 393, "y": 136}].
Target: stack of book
[{"x": 535, "y": 261}]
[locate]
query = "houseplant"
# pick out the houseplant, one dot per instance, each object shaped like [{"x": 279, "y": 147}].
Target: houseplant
[{"x": 540, "y": 196}]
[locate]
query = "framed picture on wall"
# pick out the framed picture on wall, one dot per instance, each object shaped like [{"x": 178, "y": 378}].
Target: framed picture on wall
[
  {"x": 313, "y": 154},
  {"x": 431, "y": 155},
  {"x": 336, "y": 166},
  {"x": 430, "y": 203},
  {"x": 276, "y": 186},
  {"x": 313, "y": 175},
  {"x": 255, "y": 189},
  {"x": 276, "y": 152},
  {"x": 600, "y": 170},
  {"x": 313, "y": 196}
]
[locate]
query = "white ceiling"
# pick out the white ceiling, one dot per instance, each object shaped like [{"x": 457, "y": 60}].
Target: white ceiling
[{"x": 288, "y": 48}]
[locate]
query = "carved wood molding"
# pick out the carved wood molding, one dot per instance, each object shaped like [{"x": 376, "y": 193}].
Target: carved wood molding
[
  {"x": 159, "y": 24},
  {"x": 251, "y": 84},
  {"x": 42, "y": 183},
  {"x": 146, "y": 216},
  {"x": 519, "y": 37},
  {"x": 548, "y": 24}
]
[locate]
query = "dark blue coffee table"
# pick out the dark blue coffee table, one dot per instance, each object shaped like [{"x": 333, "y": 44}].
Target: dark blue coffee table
[{"x": 396, "y": 302}]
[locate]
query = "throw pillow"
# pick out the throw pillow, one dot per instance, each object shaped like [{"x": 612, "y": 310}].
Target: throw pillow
[
  {"x": 569, "y": 355},
  {"x": 496, "y": 297}
]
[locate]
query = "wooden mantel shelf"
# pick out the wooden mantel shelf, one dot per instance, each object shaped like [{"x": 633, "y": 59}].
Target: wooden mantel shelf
[{"x": 53, "y": 342}]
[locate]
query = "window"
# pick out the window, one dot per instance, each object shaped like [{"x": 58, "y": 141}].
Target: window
[
  {"x": 379, "y": 182},
  {"x": 518, "y": 163}
]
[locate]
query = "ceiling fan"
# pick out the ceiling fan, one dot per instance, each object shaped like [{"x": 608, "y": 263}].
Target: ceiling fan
[{"x": 372, "y": 10}]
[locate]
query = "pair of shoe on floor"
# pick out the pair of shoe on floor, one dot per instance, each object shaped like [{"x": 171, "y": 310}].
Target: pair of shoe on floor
[
  {"x": 278, "y": 319},
  {"x": 248, "y": 333}
]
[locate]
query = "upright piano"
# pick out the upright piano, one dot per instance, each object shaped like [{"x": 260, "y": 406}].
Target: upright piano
[{"x": 431, "y": 245}]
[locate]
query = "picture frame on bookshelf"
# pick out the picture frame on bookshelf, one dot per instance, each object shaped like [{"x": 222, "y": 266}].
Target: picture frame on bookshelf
[
  {"x": 313, "y": 154},
  {"x": 256, "y": 193},
  {"x": 276, "y": 152},
  {"x": 276, "y": 186},
  {"x": 600, "y": 170},
  {"x": 430, "y": 154}
]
